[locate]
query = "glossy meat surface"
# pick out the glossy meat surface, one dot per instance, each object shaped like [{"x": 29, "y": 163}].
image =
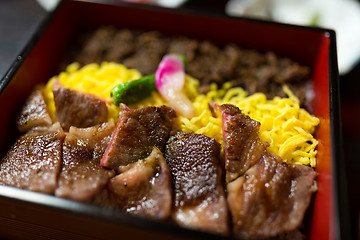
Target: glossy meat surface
[
  {"x": 137, "y": 132},
  {"x": 82, "y": 176},
  {"x": 34, "y": 113},
  {"x": 242, "y": 145},
  {"x": 199, "y": 203},
  {"x": 271, "y": 198},
  {"x": 78, "y": 109},
  {"x": 266, "y": 197},
  {"x": 145, "y": 188},
  {"x": 34, "y": 161}
]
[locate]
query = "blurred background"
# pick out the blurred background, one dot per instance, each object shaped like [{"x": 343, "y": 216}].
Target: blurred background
[{"x": 19, "y": 20}]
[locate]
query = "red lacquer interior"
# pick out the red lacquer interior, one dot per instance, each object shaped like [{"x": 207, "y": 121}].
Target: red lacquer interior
[{"x": 306, "y": 46}]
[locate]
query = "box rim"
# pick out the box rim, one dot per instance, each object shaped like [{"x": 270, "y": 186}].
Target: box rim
[
  {"x": 5, "y": 79},
  {"x": 338, "y": 169},
  {"x": 21, "y": 56},
  {"x": 98, "y": 213},
  {"x": 340, "y": 194}
]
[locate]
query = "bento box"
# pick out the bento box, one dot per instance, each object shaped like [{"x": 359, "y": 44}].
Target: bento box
[{"x": 25, "y": 214}]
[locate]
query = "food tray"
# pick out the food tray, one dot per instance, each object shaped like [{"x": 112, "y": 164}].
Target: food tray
[{"x": 25, "y": 214}]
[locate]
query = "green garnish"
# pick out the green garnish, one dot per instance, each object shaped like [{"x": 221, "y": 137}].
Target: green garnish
[
  {"x": 133, "y": 91},
  {"x": 136, "y": 90}
]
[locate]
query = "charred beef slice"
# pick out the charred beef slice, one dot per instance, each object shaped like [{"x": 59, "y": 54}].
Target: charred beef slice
[
  {"x": 268, "y": 197},
  {"x": 34, "y": 160},
  {"x": 242, "y": 146},
  {"x": 271, "y": 198},
  {"x": 136, "y": 133},
  {"x": 82, "y": 176},
  {"x": 199, "y": 199},
  {"x": 145, "y": 188},
  {"x": 78, "y": 109},
  {"x": 34, "y": 113}
]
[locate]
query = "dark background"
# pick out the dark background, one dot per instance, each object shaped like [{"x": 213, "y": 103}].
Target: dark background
[{"x": 19, "y": 20}]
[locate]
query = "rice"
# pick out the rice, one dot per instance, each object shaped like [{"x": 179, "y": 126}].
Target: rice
[{"x": 288, "y": 128}]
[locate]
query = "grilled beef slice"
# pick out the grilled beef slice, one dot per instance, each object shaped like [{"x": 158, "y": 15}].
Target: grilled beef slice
[
  {"x": 199, "y": 200},
  {"x": 34, "y": 160},
  {"x": 145, "y": 188},
  {"x": 82, "y": 176},
  {"x": 266, "y": 196},
  {"x": 242, "y": 146},
  {"x": 34, "y": 113},
  {"x": 136, "y": 133},
  {"x": 271, "y": 198},
  {"x": 78, "y": 109}
]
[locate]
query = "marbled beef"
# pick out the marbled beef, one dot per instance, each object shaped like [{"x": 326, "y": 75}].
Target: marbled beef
[
  {"x": 242, "y": 145},
  {"x": 271, "y": 198},
  {"x": 136, "y": 133},
  {"x": 78, "y": 109},
  {"x": 266, "y": 196},
  {"x": 82, "y": 176},
  {"x": 199, "y": 201},
  {"x": 34, "y": 113},
  {"x": 34, "y": 160},
  {"x": 145, "y": 188}
]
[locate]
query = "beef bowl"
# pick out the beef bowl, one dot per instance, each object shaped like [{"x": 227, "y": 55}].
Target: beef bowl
[{"x": 243, "y": 143}]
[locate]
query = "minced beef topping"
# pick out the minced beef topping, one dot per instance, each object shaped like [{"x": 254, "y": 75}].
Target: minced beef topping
[{"x": 143, "y": 50}]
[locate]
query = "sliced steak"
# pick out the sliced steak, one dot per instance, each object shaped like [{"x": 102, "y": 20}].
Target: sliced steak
[
  {"x": 34, "y": 161},
  {"x": 137, "y": 132},
  {"x": 271, "y": 198},
  {"x": 78, "y": 109},
  {"x": 242, "y": 145},
  {"x": 145, "y": 188},
  {"x": 82, "y": 176},
  {"x": 34, "y": 113},
  {"x": 266, "y": 197},
  {"x": 196, "y": 174}
]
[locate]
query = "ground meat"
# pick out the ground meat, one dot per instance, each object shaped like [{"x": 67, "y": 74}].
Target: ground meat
[
  {"x": 150, "y": 47},
  {"x": 96, "y": 45},
  {"x": 252, "y": 70},
  {"x": 123, "y": 45},
  {"x": 184, "y": 45}
]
